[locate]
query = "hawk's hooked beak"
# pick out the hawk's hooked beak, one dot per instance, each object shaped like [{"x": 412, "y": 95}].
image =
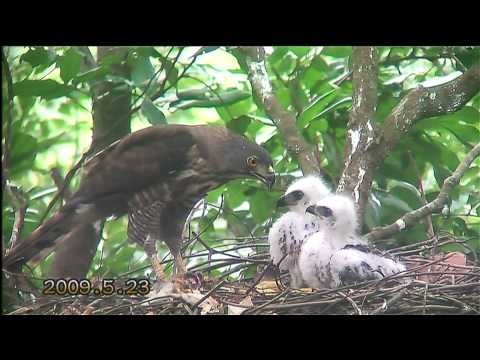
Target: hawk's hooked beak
[
  {"x": 321, "y": 211},
  {"x": 287, "y": 200},
  {"x": 265, "y": 175}
]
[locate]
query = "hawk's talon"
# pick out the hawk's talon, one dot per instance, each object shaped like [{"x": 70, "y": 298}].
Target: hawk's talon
[{"x": 189, "y": 281}]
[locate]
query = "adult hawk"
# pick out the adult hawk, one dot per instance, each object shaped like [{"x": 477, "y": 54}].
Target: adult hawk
[
  {"x": 336, "y": 255},
  {"x": 155, "y": 175},
  {"x": 288, "y": 233}
]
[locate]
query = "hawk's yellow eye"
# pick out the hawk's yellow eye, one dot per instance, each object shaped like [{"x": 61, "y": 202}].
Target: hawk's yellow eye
[{"x": 252, "y": 161}]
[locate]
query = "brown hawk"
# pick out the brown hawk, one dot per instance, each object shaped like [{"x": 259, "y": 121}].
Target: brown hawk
[{"x": 155, "y": 175}]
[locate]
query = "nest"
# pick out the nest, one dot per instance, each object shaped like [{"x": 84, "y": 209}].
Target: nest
[{"x": 441, "y": 284}]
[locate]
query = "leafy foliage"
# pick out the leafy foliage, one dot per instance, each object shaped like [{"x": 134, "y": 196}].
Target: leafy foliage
[{"x": 52, "y": 121}]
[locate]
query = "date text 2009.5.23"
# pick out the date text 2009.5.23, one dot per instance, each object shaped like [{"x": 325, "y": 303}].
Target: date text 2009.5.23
[{"x": 107, "y": 287}]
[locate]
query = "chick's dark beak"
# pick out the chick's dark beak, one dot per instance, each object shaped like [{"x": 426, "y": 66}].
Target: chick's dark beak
[
  {"x": 320, "y": 211},
  {"x": 287, "y": 200},
  {"x": 311, "y": 209}
]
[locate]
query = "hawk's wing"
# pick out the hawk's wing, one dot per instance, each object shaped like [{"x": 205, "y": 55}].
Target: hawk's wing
[{"x": 145, "y": 158}]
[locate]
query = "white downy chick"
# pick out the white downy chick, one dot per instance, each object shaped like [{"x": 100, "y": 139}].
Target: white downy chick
[
  {"x": 337, "y": 255},
  {"x": 338, "y": 225},
  {"x": 288, "y": 233},
  {"x": 358, "y": 263}
]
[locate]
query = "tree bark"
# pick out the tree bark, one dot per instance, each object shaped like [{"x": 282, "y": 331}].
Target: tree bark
[
  {"x": 284, "y": 120},
  {"x": 356, "y": 178},
  {"x": 111, "y": 121},
  {"x": 369, "y": 144}
]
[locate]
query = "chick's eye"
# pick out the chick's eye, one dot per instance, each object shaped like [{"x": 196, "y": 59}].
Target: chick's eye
[{"x": 252, "y": 161}]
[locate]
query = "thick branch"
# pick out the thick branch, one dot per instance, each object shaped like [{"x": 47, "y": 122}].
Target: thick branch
[
  {"x": 111, "y": 121},
  {"x": 413, "y": 217},
  {"x": 111, "y": 104},
  {"x": 284, "y": 120},
  {"x": 8, "y": 135},
  {"x": 423, "y": 103},
  {"x": 357, "y": 173},
  {"x": 419, "y": 104}
]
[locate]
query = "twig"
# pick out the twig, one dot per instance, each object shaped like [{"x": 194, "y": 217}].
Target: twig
[
  {"x": 19, "y": 204},
  {"x": 153, "y": 78},
  {"x": 350, "y": 300},
  {"x": 430, "y": 231},
  {"x": 414, "y": 216},
  {"x": 59, "y": 182},
  {"x": 257, "y": 309},
  {"x": 208, "y": 294},
  {"x": 389, "y": 302},
  {"x": 68, "y": 178},
  {"x": 163, "y": 90},
  {"x": 260, "y": 277}
]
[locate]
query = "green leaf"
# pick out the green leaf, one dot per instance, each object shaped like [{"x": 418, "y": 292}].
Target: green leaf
[
  {"x": 38, "y": 56},
  {"x": 239, "y": 125},
  {"x": 93, "y": 74},
  {"x": 277, "y": 54},
  {"x": 142, "y": 70},
  {"x": 47, "y": 89},
  {"x": 26, "y": 103},
  {"x": 69, "y": 64},
  {"x": 394, "y": 201},
  {"x": 300, "y": 51},
  {"x": 148, "y": 51},
  {"x": 407, "y": 192},
  {"x": 205, "y": 50},
  {"x": 467, "y": 114},
  {"x": 24, "y": 149},
  {"x": 153, "y": 114},
  {"x": 441, "y": 173},
  {"x": 337, "y": 51},
  {"x": 315, "y": 108},
  {"x": 47, "y": 143},
  {"x": 234, "y": 195},
  {"x": 261, "y": 205},
  {"x": 342, "y": 103},
  {"x": 170, "y": 71},
  {"x": 191, "y": 94},
  {"x": 468, "y": 55},
  {"x": 472, "y": 174},
  {"x": 221, "y": 98}
]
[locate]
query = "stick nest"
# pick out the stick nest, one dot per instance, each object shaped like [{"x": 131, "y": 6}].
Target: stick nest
[{"x": 442, "y": 284}]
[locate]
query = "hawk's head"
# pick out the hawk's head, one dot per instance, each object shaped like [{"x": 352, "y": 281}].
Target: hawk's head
[
  {"x": 239, "y": 157},
  {"x": 303, "y": 193},
  {"x": 337, "y": 212}
]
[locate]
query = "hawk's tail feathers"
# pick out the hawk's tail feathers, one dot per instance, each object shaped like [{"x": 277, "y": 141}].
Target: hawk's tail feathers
[{"x": 44, "y": 239}]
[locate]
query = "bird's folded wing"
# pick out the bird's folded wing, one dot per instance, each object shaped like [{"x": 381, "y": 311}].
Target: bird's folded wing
[{"x": 144, "y": 158}]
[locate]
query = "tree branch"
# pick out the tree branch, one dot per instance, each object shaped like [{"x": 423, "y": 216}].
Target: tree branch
[
  {"x": 376, "y": 144},
  {"x": 284, "y": 120},
  {"x": 19, "y": 204},
  {"x": 88, "y": 62},
  {"x": 8, "y": 135},
  {"x": 414, "y": 216},
  {"x": 111, "y": 121},
  {"x": 422, "y": 103},
  {"x": 59, "y": 182},
  {"x": 357, "y": 173}
]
